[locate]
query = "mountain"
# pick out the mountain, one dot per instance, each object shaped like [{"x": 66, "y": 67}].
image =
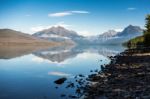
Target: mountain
[
  {"x": 113, "y": 37},
  {"x": 12, "y": 37},
  {"x": 109, "y": 33},
  {"x": 58, "y": 34},
  {"x": 128, "y": 31},
  {"x": 131, "y": 31}
]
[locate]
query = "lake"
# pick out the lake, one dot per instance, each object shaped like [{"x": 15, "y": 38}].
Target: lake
[{"x": 26, "y": 74}]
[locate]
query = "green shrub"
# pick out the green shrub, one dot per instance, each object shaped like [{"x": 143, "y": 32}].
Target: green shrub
[{"x": 138, "y": 41}]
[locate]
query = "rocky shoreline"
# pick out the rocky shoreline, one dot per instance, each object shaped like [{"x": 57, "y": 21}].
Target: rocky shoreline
[{"x": 126, "y": 77}]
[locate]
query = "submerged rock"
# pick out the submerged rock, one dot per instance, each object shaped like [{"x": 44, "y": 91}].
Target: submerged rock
[
  {"x": 72, "y": 96},
  {"x": 60, "y": 81}
]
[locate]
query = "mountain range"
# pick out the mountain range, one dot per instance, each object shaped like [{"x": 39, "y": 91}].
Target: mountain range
[{"x": 60, "y": 34}]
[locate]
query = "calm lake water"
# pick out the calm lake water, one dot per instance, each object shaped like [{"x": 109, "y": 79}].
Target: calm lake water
[{"x": 31, "y": 75}]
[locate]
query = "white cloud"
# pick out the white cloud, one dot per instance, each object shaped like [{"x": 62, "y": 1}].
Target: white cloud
[
  {"x": 131, "y": 8},
  {"x": 60, "y": 14},
  {"x": 38, "y": 28},
  {"x": 66, "y": 13},
  {"x": 62, "y": 24},
  {"x": 118, "y": 30},
  {"x": 41, "y": 60},
  {"x": 38, "y": 60},
  {"x": 58, "y": 74},
  {"x": 41, "y": 27},
  {"x": 85, "y": 33},
  {"x": 83, "y": 12},
  {"x": 86, "y": 55}
]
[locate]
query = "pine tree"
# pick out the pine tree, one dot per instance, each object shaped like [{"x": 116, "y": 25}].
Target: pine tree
[{"x": 147, "y": 32}]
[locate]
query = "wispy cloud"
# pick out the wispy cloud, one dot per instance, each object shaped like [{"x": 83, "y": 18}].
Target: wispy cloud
[
  {"x": 42, "y": 27},
  {"x": 85, "y": 55},
  {"x": 41, "y": 60},
  {"x": 85, "y": 33},
  {"x": 67, "y": 13},
  {"x": 118, "y": 30},
  {"x": 55, "y": 73},
  {"x": 131, "y": 8},
  {"x": 82, "y": 12}
]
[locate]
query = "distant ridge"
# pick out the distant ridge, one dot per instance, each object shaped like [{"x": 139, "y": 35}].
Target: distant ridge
[{"x": 12, "y": 37}]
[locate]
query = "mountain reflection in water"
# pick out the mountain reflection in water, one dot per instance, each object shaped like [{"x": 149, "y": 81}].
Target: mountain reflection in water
[{"x": 57, "y": 54}]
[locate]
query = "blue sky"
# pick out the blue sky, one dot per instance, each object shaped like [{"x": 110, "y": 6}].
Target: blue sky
[{"x": 87, "y": 17}]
